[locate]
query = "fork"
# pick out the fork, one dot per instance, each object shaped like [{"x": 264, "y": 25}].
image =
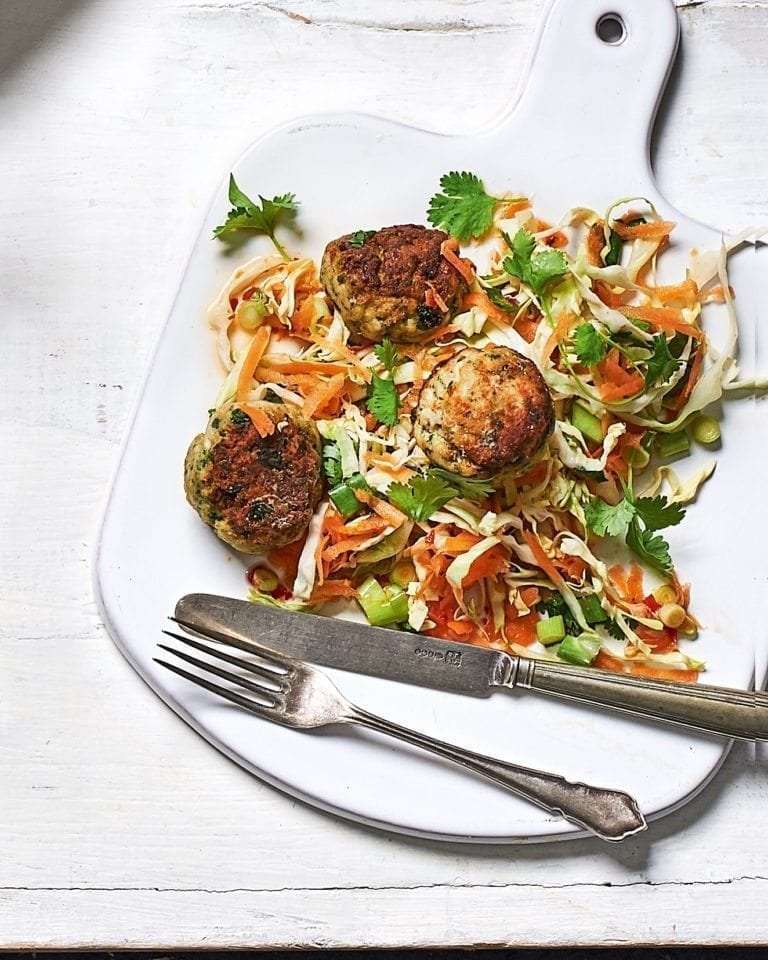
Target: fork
[{"x": 297, "y": 695}]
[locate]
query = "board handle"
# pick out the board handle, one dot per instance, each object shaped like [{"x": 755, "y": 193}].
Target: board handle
[{"x": 594, "y": 82}]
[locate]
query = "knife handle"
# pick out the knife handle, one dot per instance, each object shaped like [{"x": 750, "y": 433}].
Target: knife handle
[
  {"x": 609, "y": 814},
  {"x": 740, "y": 714}
]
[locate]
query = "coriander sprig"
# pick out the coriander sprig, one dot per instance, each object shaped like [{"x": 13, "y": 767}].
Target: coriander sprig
[
  {"x": 463, "y": 208},
  {"x": 637, "y": 520},
  {"x": 535, "y": 270},
  {"x": 383, "y": 398},
  {"x": 263, "y": 217}
]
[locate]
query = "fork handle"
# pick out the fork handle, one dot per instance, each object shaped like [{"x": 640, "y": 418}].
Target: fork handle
[{"x": 609, "y": 814}]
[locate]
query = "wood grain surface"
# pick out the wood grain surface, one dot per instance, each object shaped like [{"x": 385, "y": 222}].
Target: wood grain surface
[{"x": 119, "y": 827}]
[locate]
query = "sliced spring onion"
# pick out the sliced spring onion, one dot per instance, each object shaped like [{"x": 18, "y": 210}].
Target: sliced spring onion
[
  {"x": 250, "y": 313},
  {"x": 550, "y": 630},
  {"x": 688, "y": 629},
  {"x": 672, "y": 615},
  {"x": 580, "y": 650},
  {"x": 672, "y": 444},
  {"x": 403, "y": 573},
  {"x": 342, "y": 496},
  {"x": 593, "y": 611},
  {"x": 587, "y": 423},
  {"x": 382, "y": 607},
  {"x": 665, "y": 594},
  {"x": 705, "y": 430},
  {"x": 264, "y": 579},
  {"x": 398, "y": 603}
]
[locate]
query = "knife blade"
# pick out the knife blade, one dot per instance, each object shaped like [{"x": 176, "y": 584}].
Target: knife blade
[{"x": 470, "y": 670}]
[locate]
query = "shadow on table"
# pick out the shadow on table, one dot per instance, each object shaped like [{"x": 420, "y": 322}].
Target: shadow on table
[
  {"x": 25, "y": 25},
  {"x": 743, "y": 762}
]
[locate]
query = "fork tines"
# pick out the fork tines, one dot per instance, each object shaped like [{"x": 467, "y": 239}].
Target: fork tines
[{"x": 267, "y": 687}]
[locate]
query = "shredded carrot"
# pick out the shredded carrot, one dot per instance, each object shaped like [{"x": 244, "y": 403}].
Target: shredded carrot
[
  {"x": 618, "y": 577},
  {"x": 534, "y": 475},
  {"x": 365, "y": 525},
  {"x": 464, "y": 267},
  {"x": 343, "y": 546},
  {"x": 686, "y": 291},
  {"x": 391, "y": 514},
  {"x": 256, "y": 350},
  {"x": 262, "y": 422},
  {"x": 521, "y": 630},
  {"x": 655, "y": 230},
  {"x": 557, "y": 336},
  {"x": 332, "y": 589},
  {"x": 345, "y": 351},
  {"x": 606, "y": 662},
  {"x": 557, "y": 240},
  {"x": 595, "y": 244},
  {"x": 527, "y": 326},
  {"x": 635, "y": 582},
  {"x": 435, "y": 296},
  {"x": 301, "y": 319},
  {"x": 480, "y": 300},
  {"x": 460, "y": 543},
  {"x": 530, "y": 596},
  {"x": 665, "y": 318},
  {"x": 691, "y": 380},
  {"x": 322, "y": 394},
  {"x": 606, "y": 294},
  {"x": 488, "y": 564},
  {"x": 286, "y": 559},
  {"x": 515, "y": 206},
  {"x": 282, "y": 363},
  {"x": 573, "y": 567},
  {"x": 715, "y": 294},
  {"x": 541, "y": 558},
  {"x": 401, "y": 474},
  {"x": 628, "y": 583},
  {"x": 613, "y": 381}
]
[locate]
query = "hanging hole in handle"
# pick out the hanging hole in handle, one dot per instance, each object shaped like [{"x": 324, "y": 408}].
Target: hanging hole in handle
[{"x": 610, "y": 28}]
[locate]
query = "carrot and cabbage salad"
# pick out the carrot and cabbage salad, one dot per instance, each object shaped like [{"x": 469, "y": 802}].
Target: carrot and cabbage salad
[{"x": 551, "y": 563}]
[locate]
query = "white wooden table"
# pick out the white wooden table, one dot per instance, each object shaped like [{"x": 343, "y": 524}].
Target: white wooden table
[{"x": 119, "y": 826}]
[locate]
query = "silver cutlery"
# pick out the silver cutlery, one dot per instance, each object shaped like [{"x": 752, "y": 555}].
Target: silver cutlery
[
  {"x": 471, "y": 670},
  {"x": 296, "y": 695}
]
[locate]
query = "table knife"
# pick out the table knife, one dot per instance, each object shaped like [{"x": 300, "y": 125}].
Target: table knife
[{"x": 470, "y": 670}]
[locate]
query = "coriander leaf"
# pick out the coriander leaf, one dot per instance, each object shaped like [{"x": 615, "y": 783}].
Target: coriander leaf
[
  {"x": 650, "y": 547},
  {"x": 615, "y": 245},
  {"x": 657, "y": 513},
  {"x": 358, "y": 238},
  {"x": 498, "y": 299},
  {"x": 613, "y": 629},
  {"x": 383, "y": 400},
  {"x": 589, "y": 345},
  {"x": 247, "y": 215},
  {"x": 536, "y": 270},
  {"x": 422, "y": 497},
  {"x": 464, "y": 209},
  {"x": 661, "y": 364},
  {"x": 465, "y": 486},
  {"x": 605, "y": 520},
  {"x": 332, "y": 463},
  {"x": 240, "y": 417},
  {"x": 546, "y": 267},
  {"x": 386, "y": 354}
]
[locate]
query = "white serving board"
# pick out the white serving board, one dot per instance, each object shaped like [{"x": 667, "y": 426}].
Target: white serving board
[{"x": 577, "y": 135}]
